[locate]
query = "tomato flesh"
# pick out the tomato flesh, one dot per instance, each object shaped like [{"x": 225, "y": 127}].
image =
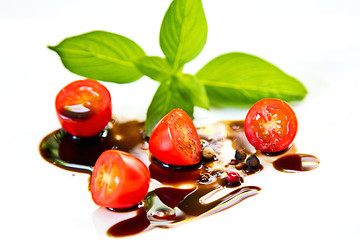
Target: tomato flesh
[
  {"x": 119, "y": 180},
  {"x": 175, "y": 141},
  {"x": 271, "y": 125},
  {"x": 83, "y": 108}
]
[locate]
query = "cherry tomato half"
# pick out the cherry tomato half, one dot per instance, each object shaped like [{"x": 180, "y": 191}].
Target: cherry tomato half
[
  {"x": 175, "y": 141},
  {"x": 119, "y": 180},
  {"x": 270, "y": 125},
  {"x": 83, "y": 108}
]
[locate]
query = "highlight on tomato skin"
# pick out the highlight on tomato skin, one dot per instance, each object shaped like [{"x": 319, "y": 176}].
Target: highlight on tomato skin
[
  {"x": 271, "y": 125},
  {"x": 84, "y": 108},
  {"x": 119, "y": 180},
  {"x": 175, "y": 140}
]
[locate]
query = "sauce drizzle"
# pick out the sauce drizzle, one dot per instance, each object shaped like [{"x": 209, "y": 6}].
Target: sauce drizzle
[{"x": 176, "y": 194}]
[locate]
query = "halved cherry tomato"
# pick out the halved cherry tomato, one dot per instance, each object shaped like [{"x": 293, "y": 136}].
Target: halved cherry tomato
[
  {"x": 83, "y": 108},
  {"x": 270, "y": 125},
  {"x": 119, "y": 180},
  {"x": 175, "y": 141}
]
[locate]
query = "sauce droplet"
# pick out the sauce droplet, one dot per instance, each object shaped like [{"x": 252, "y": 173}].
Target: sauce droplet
[
  {"x": 296, "y": 163},
  {"x": 164, "y": 214}
]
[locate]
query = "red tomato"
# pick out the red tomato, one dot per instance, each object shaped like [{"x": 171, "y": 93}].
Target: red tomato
[
  {"x": 270, "y": 125},
  {"x": 83, "y": 108},
  {"x": 119, "y": 180},
  {"x": 175, "y": 141}
]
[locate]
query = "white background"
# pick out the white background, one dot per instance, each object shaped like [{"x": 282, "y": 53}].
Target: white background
[{"x": 316, "y": 41}]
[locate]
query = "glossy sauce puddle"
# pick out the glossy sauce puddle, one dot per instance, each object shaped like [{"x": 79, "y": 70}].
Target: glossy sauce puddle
[{"x": 175, "y": 195}]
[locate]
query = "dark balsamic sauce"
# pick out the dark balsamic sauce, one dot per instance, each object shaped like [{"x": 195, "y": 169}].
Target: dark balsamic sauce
[
  {"x": 172, "y": 196},
  {"x": 80, "y": 154},
  {"x": 296, "y": 163},
  {"x": 178, "y": 194},
  {"x": 78, "y": 112},
  {"x": 276, "y": 153},
  {"x": 130, "y": 226},
  {"x": 174, "y": 176}
]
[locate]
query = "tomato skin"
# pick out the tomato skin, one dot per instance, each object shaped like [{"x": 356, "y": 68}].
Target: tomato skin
[
  {"x": 90, "y": 108},
  {"x": 175, "y": 141},
  {"x": 119, "y": 180},
  {"x": 271, "y": 125}
]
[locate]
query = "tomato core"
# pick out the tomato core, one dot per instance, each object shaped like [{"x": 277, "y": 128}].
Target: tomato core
[
  {"x": 108, "y": 179},
  {"x": 183, "y": 135}
]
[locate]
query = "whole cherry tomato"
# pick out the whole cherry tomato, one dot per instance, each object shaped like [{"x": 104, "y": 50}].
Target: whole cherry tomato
[
  {"x": 83, "y": 108},
  {"x": 175, "y": 141},
  {"x": 119, "y": 180},
  {"x": 270, "y": 125}
]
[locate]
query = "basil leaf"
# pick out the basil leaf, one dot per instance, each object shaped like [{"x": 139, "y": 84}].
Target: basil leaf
[
  {"x": 156, "y": 68},
  {"x": 237, "y": 79},
  {"x": 183, "y": 31},
  {"x": 167, "y": 97},
  {"x": 196, "y": 89},
  {"x": 101, "y": 55}
]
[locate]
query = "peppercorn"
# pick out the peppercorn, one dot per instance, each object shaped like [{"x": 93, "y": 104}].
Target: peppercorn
[
  {"x": 252, "y": 163},
  {"x": 233, "y": 178},
  {"x": 208, "y": 153},
  {"x": 233, "y": 162},
  {"x": 218, "y": 173},
  {"x": 240, "y": 155},
  {"x": 204, "y": 177},
  {"x": 204, "y": 143}
]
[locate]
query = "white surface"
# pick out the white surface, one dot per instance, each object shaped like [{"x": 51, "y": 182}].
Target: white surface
[{"x": 317, "y": 42}]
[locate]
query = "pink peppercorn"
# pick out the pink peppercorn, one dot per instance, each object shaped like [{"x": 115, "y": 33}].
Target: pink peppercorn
[{"x": 233, "y": 178}]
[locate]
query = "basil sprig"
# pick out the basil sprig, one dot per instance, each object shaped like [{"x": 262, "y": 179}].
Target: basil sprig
[{"x": 232, "y": 79}]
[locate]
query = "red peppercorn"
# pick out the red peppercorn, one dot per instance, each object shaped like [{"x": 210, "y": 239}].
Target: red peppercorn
[{"x": 233, "y": 178}]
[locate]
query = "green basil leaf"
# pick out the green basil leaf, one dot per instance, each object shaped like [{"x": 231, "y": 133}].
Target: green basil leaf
[
  {"x": 101, "y": 55},
  {"x": 196, "y": 90},
  {"x": 156, "y": 68},
  {"x": 237, "y": 79},
  {"x": 167, "y": 97},
  {"x": 183, "y": 31}
]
